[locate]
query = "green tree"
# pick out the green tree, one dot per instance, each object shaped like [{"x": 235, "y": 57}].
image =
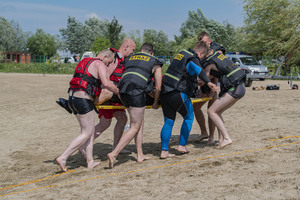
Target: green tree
[
  {"x": 272, "y": 28},
  {"x": 42, "y": 44},
  {"x": 7, "y": 35},
  {"x": 74, "y": 36},
  {"x": 99, "y": 44},
  {"x": 223, "y": 34},
  {"x": 114, "y": 31},
  {"x": 135, "y": 35},
  {"x": 94, "y": 28},
  {"x": 159, "y": 40},
  {"x": 20, "y": 41}
]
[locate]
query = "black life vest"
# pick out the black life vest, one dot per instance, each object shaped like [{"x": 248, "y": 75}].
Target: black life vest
[
  {"x": 137, "y": 77},
  {"x": 217, "y": 47},
  {"x": 228, "y": 73},
  {"x": 117, "y": 74},
  {"x": 178, "y": 78},
  {"x": 84, "y": 81}
]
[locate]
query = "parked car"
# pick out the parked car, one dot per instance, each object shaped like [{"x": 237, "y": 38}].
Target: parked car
[
  {"x": 250, "y": 63},
  {"x": 87, "y": 55},
  {"x": 69, "y": 60}
]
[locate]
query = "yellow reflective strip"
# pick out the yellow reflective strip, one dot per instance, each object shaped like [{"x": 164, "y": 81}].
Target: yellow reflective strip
[
  {"x": 212, "y": 56},
  {"x": 171, "y": 76},
  {"x": 233, "y": 72},
  {"x": 188, "y": 52},
  {"x": 135, "y": 73}
]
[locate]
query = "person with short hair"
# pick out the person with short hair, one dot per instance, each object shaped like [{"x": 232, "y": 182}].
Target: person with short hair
[
  {"x": 179, "y": 84},
  {"x": 232, "y": 88},
  {"x": 134, "y": 85},
  {"x": 203, "y": 36},
  {"x": 200, "y": 118},
  {"x": 115, "y": 71},
  {"x": 90, "y": 75}
]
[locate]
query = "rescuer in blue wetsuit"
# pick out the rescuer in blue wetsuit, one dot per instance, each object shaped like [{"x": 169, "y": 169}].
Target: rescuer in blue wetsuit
[{"x": 179, "y": 84}]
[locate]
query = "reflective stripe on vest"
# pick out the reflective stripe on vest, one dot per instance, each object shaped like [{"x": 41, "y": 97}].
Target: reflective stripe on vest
[
  {"x": 171, "y": 76},
  {"x": 136, "y": 73}
]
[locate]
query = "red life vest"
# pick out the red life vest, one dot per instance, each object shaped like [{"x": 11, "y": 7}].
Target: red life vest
[
  {"x": 117, "y": 74},
  {"x": 84, "y": 81}
]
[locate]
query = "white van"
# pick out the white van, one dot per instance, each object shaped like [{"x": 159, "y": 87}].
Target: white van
[{"x": 87, "y": 55}]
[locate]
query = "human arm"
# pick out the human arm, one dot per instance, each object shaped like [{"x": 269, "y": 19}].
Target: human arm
[
  {"x": 193, "y": 67},
  {"x": 208, "y": 68},
  {"x": 158, "y": 79},
  {"x": 111, "y": 67},
  {"x": 104, "y": 77}
]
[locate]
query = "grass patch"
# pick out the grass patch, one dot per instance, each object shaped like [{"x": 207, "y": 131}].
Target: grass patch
[{"x": 38, "y": 68}]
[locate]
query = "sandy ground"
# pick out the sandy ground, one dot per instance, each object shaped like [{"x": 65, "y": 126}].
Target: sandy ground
[{"x": 35, "y": 130}]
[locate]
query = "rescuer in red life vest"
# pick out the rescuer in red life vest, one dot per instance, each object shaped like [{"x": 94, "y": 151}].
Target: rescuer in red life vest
[
  {"x": 115, "y": 71},
  {"x": 105, "y": 116},
  {"x": 90, "y": 76}
]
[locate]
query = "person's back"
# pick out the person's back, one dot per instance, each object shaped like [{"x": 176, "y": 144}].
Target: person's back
[{"x": 134, "y": 84}]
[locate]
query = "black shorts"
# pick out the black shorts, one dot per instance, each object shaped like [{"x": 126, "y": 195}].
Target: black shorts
[
  {"x": 80, "y": 105},
  {"x": 138, "y": 101},
  {"x": 237, "y": 92},
  {"x": 172, "y": 103}
]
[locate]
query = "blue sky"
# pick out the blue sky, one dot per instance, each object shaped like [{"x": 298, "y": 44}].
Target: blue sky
[{"x": 165, "y": 15}]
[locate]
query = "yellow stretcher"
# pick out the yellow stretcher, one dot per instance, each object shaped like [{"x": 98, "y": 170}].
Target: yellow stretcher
[{"x": 197, "y": 100}]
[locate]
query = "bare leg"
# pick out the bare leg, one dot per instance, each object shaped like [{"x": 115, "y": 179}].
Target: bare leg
[
  {"x": 200, "y": 120},
  {"x": 138, "y": 143},
  {"x": 122, "y": 119},
  {"x": 136, "y": 118},
  {"x": 214, "y": 113},
  {"x": 87, "y": 148},
  {"x": 211, "y": 125},
  {"x": 86, "y": 122}
]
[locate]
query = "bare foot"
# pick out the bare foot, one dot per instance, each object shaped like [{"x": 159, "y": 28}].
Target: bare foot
[
  {"x": 201, "y": 137},
  {"x": 125, "y": 151},
  {"x": 224, "y": 143},
  {"x": 142, "y": 158},
  {"x": 92, "y": 164},
  {"x": 112, "y": 160},
  {"x": 62, "y": 164},
  {"x": 182, "y": 149},
  {"x": 211, "y": 142},
  {"x": 166, "y": 154}
]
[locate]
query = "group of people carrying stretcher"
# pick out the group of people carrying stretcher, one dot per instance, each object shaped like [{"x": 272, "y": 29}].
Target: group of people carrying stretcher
[{"x": 122, "y": 77}]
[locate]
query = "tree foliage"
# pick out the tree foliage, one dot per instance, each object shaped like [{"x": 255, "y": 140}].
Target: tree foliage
[
  {"x": 94, "y": 28},
  {"x": 74, "y": 36},
  {"x": 272, "y": 28},
  {"x": 42, "y": 43},
  {"x": 158, "y": 39},
  {"x": 7, "y": 35},
  {"x": 99, "y": 44},
  {"x": 79, "y": 37},
  {"x": 12, "y": 37},
  {"x": 114, "y": 31},
  {"x": 223, "y": 34},
  {"x": 135, "y": 35}
]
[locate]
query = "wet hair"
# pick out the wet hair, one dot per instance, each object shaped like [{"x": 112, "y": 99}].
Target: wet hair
[
  {"x": 202, "y": 35},
  {"x": 147, "y": 47},
  {"x": 201, "y": 46}
]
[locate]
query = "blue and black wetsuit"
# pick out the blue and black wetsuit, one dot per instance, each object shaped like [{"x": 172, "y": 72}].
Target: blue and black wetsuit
[{"x": 179, "y": 84}]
